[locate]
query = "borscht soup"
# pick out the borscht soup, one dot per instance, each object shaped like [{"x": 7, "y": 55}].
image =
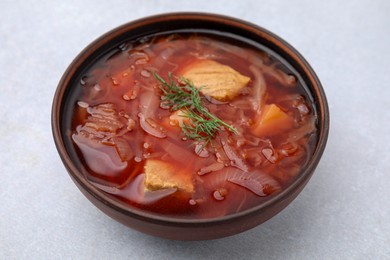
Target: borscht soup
[{"x": 191, "y": 124}]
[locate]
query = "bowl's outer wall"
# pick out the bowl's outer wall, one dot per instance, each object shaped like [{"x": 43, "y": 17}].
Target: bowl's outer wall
[
  {"x": 169, "y": 228},
  {"x": 203, "y": 231}
]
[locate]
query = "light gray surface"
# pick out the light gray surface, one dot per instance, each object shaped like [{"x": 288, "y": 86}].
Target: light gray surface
[{"x": 344, "y": 212}]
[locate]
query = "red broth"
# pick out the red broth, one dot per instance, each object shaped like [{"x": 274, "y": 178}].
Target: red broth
[{"x": 122, "y": 132}]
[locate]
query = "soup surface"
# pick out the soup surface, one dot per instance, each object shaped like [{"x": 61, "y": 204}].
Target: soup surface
[{"x": 191, "y": 125}]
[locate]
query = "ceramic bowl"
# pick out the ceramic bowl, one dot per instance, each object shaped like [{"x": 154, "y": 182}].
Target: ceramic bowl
[{"x": 174, "y": 228}]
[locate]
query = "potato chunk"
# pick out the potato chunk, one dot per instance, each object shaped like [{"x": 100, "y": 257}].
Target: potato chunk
[
  {"x": 178, "y": 118},
  {"x": 272, "y": 120},
  {"x": 218, "y": 81},
  {"x": 162, "y": 175}
]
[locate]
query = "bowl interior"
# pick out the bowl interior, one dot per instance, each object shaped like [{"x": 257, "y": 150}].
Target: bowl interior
[{"x": 182, "y": 22}]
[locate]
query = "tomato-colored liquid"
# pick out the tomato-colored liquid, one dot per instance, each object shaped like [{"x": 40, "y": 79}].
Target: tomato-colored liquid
[{"x": 118, "y": 95}]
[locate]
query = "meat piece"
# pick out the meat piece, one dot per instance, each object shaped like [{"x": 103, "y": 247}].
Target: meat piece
[
  {"x": 216, "y": 80},
  {"x": 162, "y": 175}
]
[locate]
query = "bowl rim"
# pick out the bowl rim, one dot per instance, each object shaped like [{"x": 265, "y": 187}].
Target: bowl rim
[{"x": 305, "y": 175}]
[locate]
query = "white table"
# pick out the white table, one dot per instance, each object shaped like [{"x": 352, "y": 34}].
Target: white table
[{"x": 343, "y": 213}]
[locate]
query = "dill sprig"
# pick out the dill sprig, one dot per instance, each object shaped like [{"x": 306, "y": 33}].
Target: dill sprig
[{"x": 203, "y": 125}]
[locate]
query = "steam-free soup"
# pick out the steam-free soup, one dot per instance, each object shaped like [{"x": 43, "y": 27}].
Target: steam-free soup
[{"x": 192, "y": 125}]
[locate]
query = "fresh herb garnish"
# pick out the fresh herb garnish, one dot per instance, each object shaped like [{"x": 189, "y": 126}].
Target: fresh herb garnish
[{"x": 203, "y": 125}]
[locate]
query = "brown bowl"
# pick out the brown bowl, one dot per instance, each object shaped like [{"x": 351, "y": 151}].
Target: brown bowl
[{"x": 175, "y": 228}]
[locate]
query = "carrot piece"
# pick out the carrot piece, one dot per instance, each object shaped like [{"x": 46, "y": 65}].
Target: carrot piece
[{"x": 271, "y": 121}]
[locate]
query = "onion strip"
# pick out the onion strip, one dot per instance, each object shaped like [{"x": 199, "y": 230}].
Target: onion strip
[{"x": 154, "y": 131}]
